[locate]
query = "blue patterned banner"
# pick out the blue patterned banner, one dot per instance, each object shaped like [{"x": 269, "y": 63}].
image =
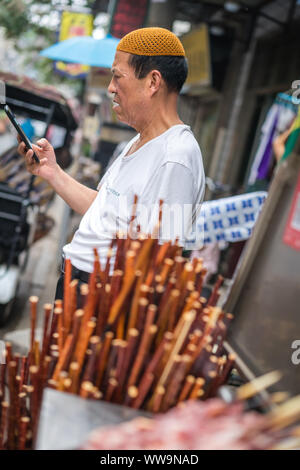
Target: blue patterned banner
[{"x": 229, "y": 219}]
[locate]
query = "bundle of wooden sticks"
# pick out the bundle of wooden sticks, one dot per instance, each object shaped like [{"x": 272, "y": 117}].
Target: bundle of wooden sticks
[{"x": 143, "y": 337}]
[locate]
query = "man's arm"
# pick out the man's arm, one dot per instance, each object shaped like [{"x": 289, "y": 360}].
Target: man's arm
[{"x": 76, "y": 195}]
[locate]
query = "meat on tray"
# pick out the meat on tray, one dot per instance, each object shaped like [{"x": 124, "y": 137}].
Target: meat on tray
[{"x": 193, "y": 426}]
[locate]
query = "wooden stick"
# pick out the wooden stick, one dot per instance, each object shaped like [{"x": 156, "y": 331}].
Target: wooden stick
[
  {"x": 3, "y": 422},
  {"x": 66, "y": 352},
  {"x": 33, "y": 309},
  {"x": 103, "y": 357},
  {"x": 121, "y": 356},
  {"x": 66, "y": 315},
  {"x": 112, "y": 386},
  {"x": 157, "y": 398},
  {"x": 24, "y": 426},
  {"x": 86, "y": 389},
  {"x": 141, "y": 314},
  {"x": 110, "y": 367},
  {"x": 158, "y": 354},
  {"x": 135, "y": 302},
  {"x": 145, "y": 343},
  {"x": 168, "y": 264},
  {"x": 56, "y": 314},
  {"x": 83, "y": 342},
  {"x": 214, "y": 295},
  {"x": 143, "y": 389},
  {"x": 36, "y": 352},
  {"x": 8, "y": 352},
  {"x": 162, "y": 253},
  {"x": 74, "y": 372},
  {"x": 187, "y": 321},
  {"x": 132, "y": 393},
  {"x": 167, "y": 312},
  {"x": 12, "y": 366},
  {"x": 257, "y": 385},
  {"x": 175, "y": 383},
  {"x": 47, "y": 313},
  {"x": 2, "y": 377},
  {"x": 95, "y": 345},
  {"x": 103, "y": 309},
  {"x": 133, "y": 336},
  {"x": 187, "y": 387},
  {"x": 196, "y": 388},
  {"x": 284, "y": 415}
]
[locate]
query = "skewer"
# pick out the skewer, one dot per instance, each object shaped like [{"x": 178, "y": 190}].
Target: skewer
[
  {"x": 143, "y": 389},
  {"x": 3, "y": 422},
  {"x": 83, "y": 342},
  {"x": 74, "y": 372},
  {"x": 90, "y": 367},
  {"x": 145, "y": 343},
  {"x": 66, "y": 316},
  {"x": 86, "y": 389},
  {"x": 188, "y": 319},
  {"x": 188, "y": 385},
  {"x": 176, "y": 382},
  {"x": 199, "y": 382},
  {"x": 257, "y": 385},
  {"x": 133, "y": 336},
  {"x": 112, "y": 386},
  {"x": 33, "y": 308},
  {"x": 103, "y": 357},
  {"x": 64, "y": 357},
  {"x": 24, "y": 426},
  {"x": 157, "y": 398},
  {"x": 47, "y": 313},
  {"x": 214, "y": 295},
  {"x": 12, "y": 367},
  {"x": 285, "y": 414},
  {"x": 132, "y": 393},
  {"x": 135, "y": 302}
]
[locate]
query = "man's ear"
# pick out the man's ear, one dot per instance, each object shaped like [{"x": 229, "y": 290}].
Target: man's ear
[{"x": 155, "y": 80}]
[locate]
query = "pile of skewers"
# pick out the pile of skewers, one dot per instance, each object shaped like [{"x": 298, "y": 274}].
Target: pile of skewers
[{"x": 143, "y": 337}]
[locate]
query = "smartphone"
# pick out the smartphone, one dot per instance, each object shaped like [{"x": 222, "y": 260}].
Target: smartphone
[{"x": 19, "y": 130}]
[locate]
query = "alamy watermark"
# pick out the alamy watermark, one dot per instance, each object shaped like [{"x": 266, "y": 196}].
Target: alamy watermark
[
  {"x": 296, "y": 354},
  {"x": 296, "y": 92},
  {"x": 178, "y": 221}
]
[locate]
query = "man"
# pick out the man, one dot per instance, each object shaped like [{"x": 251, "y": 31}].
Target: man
[{"x": 162, "y": 162}]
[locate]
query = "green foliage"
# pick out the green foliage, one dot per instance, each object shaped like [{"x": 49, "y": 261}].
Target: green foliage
[{"x": 13, "y": 17}]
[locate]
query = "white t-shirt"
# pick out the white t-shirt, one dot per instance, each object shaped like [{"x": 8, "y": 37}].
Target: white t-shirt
[{"x": 168, "y": 167}]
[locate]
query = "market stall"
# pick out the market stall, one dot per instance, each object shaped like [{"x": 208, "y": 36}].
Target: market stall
[{"x": 143, "y": 338}]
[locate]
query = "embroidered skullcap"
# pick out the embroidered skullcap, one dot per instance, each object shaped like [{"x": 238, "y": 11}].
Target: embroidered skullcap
[{"x": 151, "y": 42}]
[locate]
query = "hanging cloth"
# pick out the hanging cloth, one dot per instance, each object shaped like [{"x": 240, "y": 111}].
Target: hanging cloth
[
  {"x": 278, "y": 120},
  {"x": 295, "y": 133},
  {"x": 266, "y": 132}
]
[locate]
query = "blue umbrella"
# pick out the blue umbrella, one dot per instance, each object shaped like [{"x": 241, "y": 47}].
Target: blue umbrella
[{"x": 84, "y": 50}]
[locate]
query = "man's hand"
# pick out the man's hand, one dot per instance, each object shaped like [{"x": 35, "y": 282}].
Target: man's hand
[{"x": 47, "y": 167}]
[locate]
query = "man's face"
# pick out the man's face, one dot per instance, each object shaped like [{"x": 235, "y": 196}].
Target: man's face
[{"x": 130, "y": 93}]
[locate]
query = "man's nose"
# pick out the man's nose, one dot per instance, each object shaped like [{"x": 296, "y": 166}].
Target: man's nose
[{"x": 111, "y": 88}]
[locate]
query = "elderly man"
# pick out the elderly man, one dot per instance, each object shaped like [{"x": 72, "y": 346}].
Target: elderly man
[{"x": 163, "y": 161}]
